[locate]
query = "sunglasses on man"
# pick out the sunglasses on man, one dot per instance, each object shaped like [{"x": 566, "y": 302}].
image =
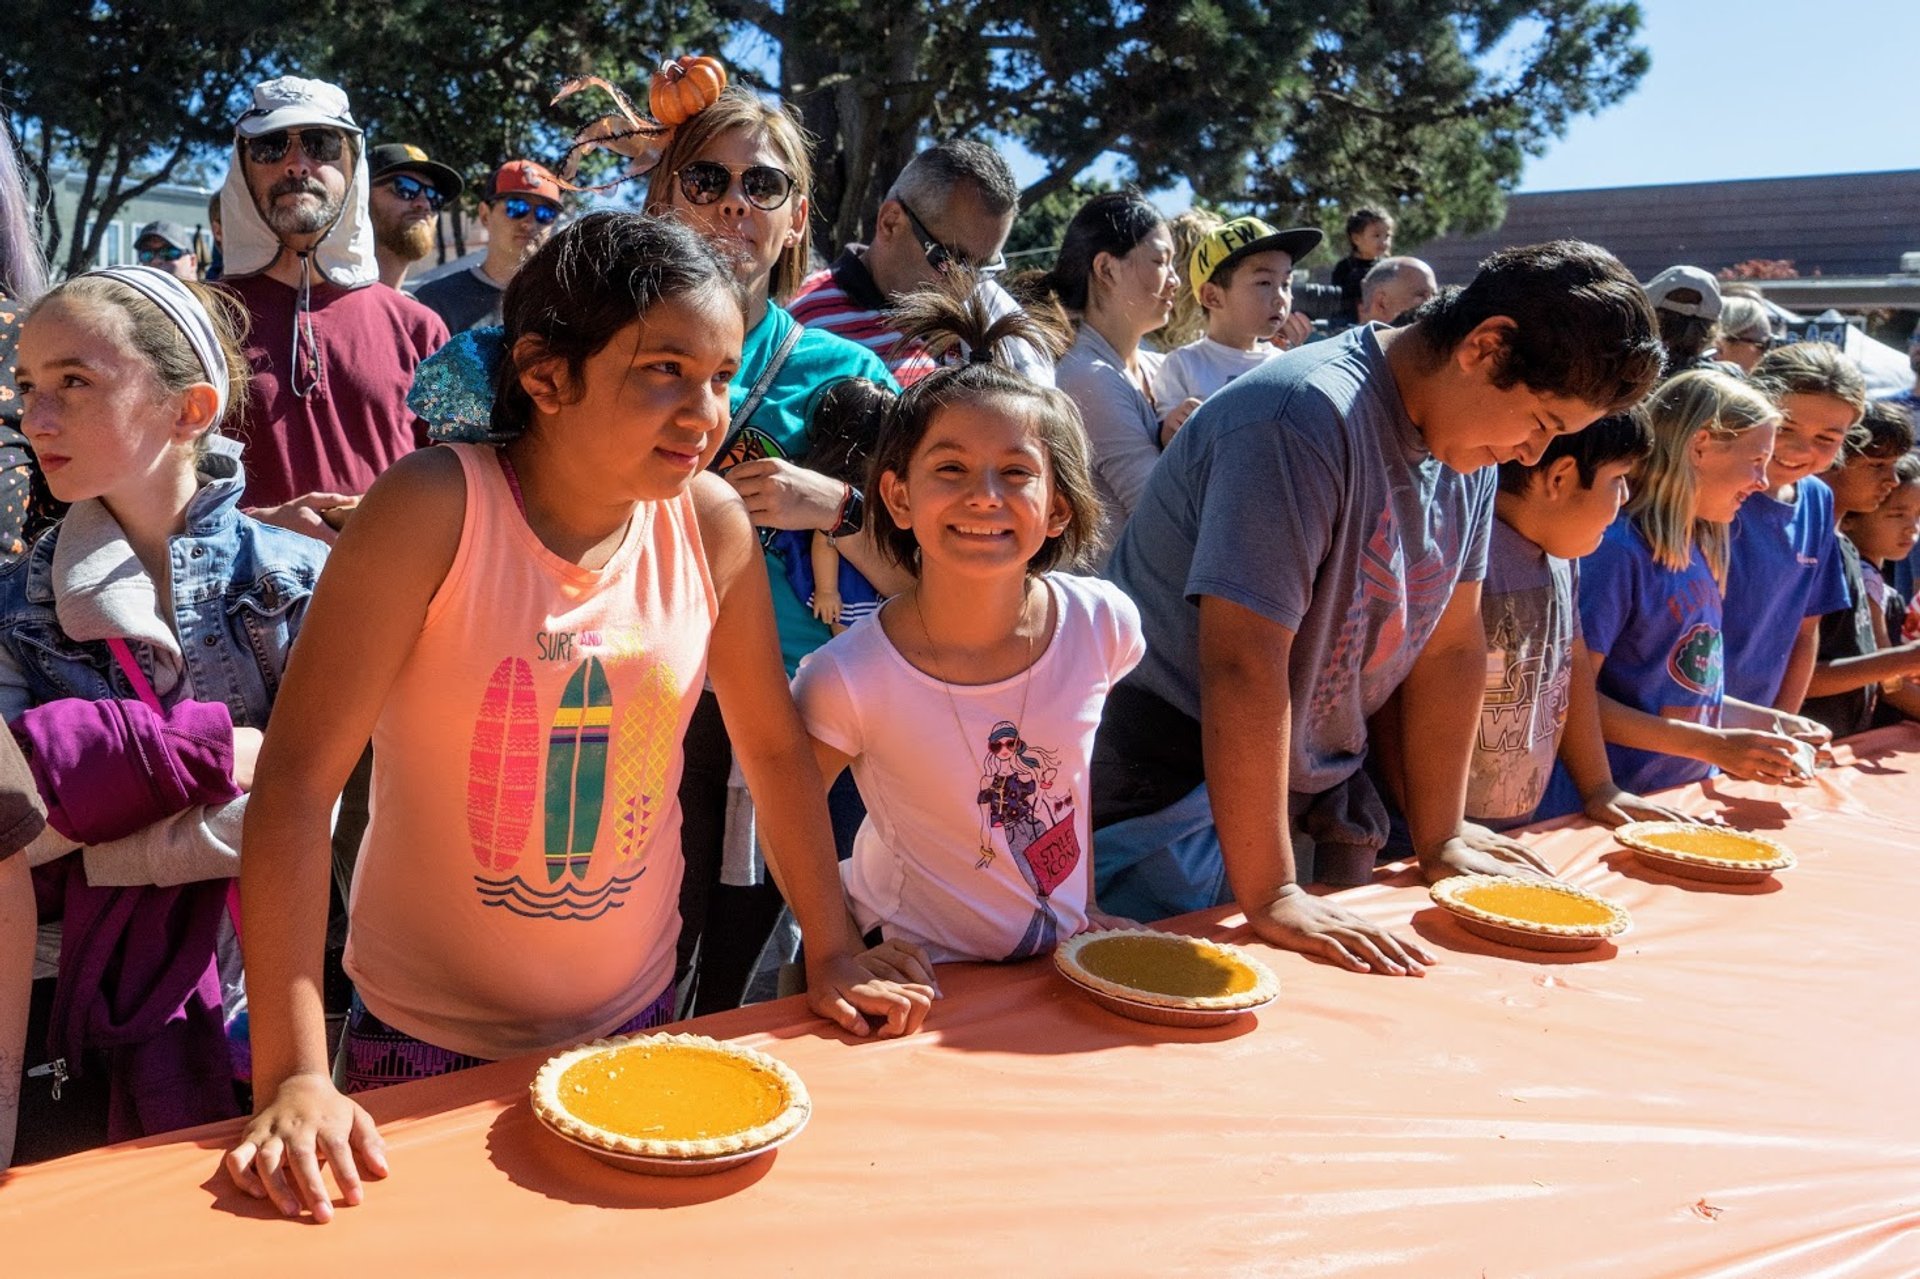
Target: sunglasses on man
[
  {"x": 149, "y": 254},
  {"x": 323, "y": 146},
  {"x": 517, "y": 207},
  {"x": 409, "y": 188},
  {"x": 941, "y": 258},
  {"x": 765, "y": 187}
]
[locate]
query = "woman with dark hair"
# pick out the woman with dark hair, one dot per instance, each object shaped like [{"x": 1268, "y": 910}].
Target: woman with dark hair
[
  {"x": 25, "y": 506},
  {"x": 1116, "y": 277}
]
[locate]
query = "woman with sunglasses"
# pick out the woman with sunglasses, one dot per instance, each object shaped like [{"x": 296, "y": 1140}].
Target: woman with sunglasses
[
  {"x": 519, "y": 211},
  {"x": 738, "y": 173}
]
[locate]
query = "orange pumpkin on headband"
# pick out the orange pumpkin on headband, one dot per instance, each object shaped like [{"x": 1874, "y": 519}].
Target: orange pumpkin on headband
[{"x": 683, "y": 87}]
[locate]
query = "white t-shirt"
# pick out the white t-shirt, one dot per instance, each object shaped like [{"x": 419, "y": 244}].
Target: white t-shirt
[
  {"x": 950, "y": 770},
  {"x": 1202, "y": 367}
]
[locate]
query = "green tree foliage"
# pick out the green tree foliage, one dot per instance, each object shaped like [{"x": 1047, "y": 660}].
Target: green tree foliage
[{"x": 1041, "y": 224}]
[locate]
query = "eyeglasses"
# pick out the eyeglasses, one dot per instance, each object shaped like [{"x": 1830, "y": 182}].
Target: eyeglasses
[
  {"x": 323, "y": 146},
  {"x": 1003, "y": 747},
  {"x": 409, "y": 189},
  {"x": 165, "y": 253},
  {"x": 942, "y": 259},
  {"x": 518, "y": 206},
  {"x": 1762, "y": 342},
  {"x": 764, "y": 186}
]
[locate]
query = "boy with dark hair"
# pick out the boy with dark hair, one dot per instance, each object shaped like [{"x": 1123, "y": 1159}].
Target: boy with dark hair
[
  {"x": 1540, "y": 699},
  {"x": 1855, "y": 659},
  {"x": 1313, "y": 543}
]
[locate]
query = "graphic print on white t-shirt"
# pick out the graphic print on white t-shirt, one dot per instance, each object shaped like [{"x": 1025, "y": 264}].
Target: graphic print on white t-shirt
[{"x": 1033, "y": 824}]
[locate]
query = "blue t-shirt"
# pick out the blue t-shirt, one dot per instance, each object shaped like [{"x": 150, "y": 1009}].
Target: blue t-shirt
[
  {"x": 778, "y": 428},
  {"x": 1303, "y": 492},
  {"x": 1657, "y": 632},
  {"x": 1783, "y": 566}
]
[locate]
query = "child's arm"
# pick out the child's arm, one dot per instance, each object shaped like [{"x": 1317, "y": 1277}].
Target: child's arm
[
  {"x": 743, "y": 661},
  {"x": 860, "y": 550},
  {"x": 1584, "y": 751},
  {"x": 1845, "y": 674},
  {"x": 826, "y": 579},
  {"x": 1739, "y": 752},
  {"x": 1440, "y": 717},
  {"x": 1800, "y": 664},
  {"x": 17, "y": 925},
  {"x": 366, "y": 615}
]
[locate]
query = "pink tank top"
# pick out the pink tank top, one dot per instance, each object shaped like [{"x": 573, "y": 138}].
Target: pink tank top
[{"x": 518, "y": 887}]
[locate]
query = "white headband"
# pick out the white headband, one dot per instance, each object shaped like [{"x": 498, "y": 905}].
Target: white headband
[{"x": 177, "y": 302}]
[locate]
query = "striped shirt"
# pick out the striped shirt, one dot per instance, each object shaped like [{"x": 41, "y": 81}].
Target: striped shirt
[{"x": 844, "y": 300}]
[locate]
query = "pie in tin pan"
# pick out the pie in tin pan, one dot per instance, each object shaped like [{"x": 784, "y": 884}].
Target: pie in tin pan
[
  {"x": 1527, "y": 911},
  {"x": 1689, "y": 847},
  {"x": 1166, "y": 970},
  {"x": 682, "y": 1097}
]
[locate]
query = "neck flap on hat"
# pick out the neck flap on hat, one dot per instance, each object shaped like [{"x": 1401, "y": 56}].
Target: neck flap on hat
[{"x": 344, "y": 257}]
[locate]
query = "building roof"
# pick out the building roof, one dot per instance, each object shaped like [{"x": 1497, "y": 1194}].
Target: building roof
[{"x": 1848, "y": 224}]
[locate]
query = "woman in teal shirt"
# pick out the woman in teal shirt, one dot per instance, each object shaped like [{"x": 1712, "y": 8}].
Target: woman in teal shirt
[{"x": 739, "y": 173}]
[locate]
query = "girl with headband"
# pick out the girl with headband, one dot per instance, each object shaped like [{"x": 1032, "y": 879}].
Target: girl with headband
[{"x": 142, "y": 641}]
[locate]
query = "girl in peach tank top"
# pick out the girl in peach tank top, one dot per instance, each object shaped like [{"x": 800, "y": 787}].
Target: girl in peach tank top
[{"x": 522, "y": 628}]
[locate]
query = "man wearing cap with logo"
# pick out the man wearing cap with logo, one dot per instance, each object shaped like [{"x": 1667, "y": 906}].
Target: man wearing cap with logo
[
  {"x": 1242, "y": 275},
  {"x": 1686, "y": 300},
  {"x": 408, "y": 189},
  {"x": 519, "y": 211},
  {"x": 167, "y": 246},
  {"x": 951, "y": 207},
  {"x": 332, "y": 355}
]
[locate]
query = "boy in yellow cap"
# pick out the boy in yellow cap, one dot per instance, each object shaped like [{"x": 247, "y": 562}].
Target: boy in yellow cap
[{"x": 1242, "y": 274}]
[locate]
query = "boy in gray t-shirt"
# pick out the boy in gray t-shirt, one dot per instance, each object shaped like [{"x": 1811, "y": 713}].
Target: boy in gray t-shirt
[{"x": 1310, "y": 546}]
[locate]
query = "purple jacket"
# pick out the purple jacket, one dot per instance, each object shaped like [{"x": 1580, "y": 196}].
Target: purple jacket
[{"x": 138, "y": 976}]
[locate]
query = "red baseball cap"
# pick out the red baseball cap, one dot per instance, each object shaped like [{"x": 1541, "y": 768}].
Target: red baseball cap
[{"x": 524, "y": 177}]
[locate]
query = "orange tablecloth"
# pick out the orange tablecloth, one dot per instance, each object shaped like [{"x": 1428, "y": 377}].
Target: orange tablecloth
[{"x": 1731, "y": 1093}]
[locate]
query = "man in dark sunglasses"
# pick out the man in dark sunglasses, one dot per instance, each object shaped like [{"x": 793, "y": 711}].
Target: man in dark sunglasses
[
  {"x": 406, "y": 193},
  {"x": 519, "y": 210},
  {"x": 167, "y": 246},
  {"x": 950, "y": 209}
]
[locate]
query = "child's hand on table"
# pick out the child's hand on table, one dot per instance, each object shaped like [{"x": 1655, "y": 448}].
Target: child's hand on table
[
  {"x": 309, "y": 1122},
  {"x": 1476, "y": 850},
  {"x": 1617, "y": 807},
  {"x": 1100, "y": 921},
  {"x": 841, "y": 988},
  {"x": 1297, "y": 920}
]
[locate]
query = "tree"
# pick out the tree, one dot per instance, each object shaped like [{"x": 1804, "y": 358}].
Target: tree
[
  {"x": 122, "y": 91},
  {"x": 1042, "y": 223}
]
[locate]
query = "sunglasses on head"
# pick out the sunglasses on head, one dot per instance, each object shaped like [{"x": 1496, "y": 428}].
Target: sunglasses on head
[
  {"x": 518, "y": 206},
  {"x": 323, "y": 146},
  {"x": 942, "y": 259},
  {"x": 163, "y": 253},
  {"x": 764, "y": 186},
  {"x": 410, "y": 188}
]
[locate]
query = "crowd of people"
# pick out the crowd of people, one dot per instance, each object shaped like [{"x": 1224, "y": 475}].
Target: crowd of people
[{"x": 952, "y": 614}]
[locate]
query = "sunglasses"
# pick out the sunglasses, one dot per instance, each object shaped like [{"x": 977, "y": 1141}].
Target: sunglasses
[
  {"x": 410, "y": 189},
  {"x": 165, "y": 253},
  {"x": 765, "y": 187},
  {"x": 518, "y": 206},
  {"x": 323, "y": 146},
  {"x": 942, "y": 259}
]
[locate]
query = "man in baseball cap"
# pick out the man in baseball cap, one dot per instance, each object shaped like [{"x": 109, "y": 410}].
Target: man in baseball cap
[
  {"x": 1686, "y": 300},
  {"x": 520, "y": 208},
  {"x": 169, "y": 247},
  {"x": 407, "y": 190}
]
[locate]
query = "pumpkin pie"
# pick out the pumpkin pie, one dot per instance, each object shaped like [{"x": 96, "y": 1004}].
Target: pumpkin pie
[
  {"x": 1690, "y": 847},
  {"x": 670, "y": 1097},
  {"x": 1520, "y": 910},
  {"x": 1166, "y": 970}
]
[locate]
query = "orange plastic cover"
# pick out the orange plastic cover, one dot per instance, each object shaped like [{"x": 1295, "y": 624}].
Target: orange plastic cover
[{"x": 1730, "y": 1093}]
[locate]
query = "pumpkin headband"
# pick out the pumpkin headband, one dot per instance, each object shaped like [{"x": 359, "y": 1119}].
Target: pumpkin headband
[{"x": 681, "y": 89}]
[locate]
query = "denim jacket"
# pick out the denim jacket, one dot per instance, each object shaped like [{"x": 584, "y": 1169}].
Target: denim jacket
[{"x": 240, "y": 591}]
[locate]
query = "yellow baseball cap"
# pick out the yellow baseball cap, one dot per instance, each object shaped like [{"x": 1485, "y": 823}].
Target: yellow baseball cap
[{"x": 1234, "y": 240}]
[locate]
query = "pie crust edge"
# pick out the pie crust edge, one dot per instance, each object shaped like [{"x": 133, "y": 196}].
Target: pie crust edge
[
  {"x": 1448, "y": 893},
  {"x": 547, "y": 1105},
  {"x": 1629, "y": 835},
  {"x": 1265, "y": 985}
]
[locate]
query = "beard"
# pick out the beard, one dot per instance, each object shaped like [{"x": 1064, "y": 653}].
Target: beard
[
  {"x": 408, "y": 241},
  {"x": 304, "y": 218}
]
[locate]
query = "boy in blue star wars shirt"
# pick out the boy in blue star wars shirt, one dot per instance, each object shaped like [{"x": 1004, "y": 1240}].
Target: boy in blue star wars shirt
[{"x": 1540, "y": 699}]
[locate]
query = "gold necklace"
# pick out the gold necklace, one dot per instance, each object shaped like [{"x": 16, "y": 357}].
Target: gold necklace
[{"x": 1026, "y": 687}]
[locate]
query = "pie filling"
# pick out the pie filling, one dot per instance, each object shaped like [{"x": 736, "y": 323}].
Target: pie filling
[
  {"x": 1167, "y": 966},
  {"x": 1726, "y": 846},
  {"x": 1537, "y": 905},
  {"x": 670, "y": 1092}
]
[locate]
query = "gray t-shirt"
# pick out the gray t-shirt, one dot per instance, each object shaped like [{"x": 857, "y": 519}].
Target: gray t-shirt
[
  {"x": 1529, "y": 607},
  {"x": 464, "y": 299},
  {"x": 1304, "y": 493}
]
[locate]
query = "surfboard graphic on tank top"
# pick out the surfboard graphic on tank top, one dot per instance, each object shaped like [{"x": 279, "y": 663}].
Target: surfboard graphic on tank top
[
  {"x": 577, "y": 770},
  {"x": 503, "y": 771}
]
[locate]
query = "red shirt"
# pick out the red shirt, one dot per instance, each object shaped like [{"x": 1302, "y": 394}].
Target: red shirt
[{"x": 355, "y": 422}]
